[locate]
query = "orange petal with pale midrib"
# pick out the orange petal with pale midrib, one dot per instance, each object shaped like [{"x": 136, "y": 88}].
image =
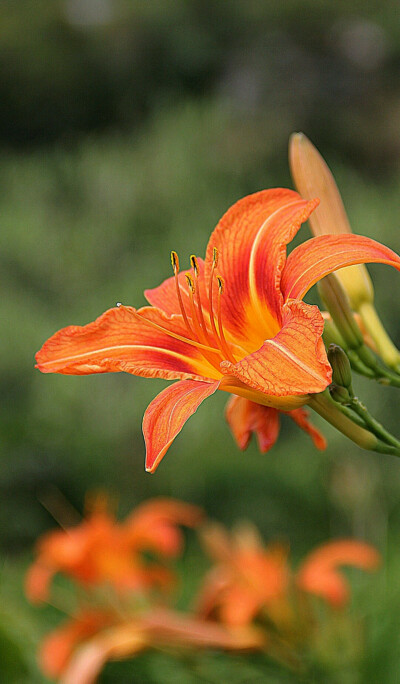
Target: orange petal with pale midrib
[
  {"x": 251, "y": 240},
  {"x": 316, "y": 258},
  {"x": 119, "y": 341},
  {"x": 294, "y": 362},
  {"x": 168, "y": 412}
]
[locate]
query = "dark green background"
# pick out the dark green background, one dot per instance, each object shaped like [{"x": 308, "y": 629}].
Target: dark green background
[{"x": 126, "y": 130}]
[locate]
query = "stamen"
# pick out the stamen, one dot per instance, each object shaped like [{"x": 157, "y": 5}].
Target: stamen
[
  {"x": 210, "y": 294},
  {"x": 215, "y": 257},
  {"x": 175, "y": 266},
  {"x": 224, "y": 344},
  {"x": 194, "y": 343},
  {"x": 190, "y": 282},
  {"x": 195, "y": 320},
  {"x": 175, "y": 261},
  {"x": 195, "y": 266},
  {"x": 198, "y": 330}
]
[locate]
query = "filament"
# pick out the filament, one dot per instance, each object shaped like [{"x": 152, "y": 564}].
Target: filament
[
  {"x": 196, "y": 290},
  {"x": 194, "y": 343},
  {"x": 210, "y": 293},
  {"x": 195, "y": 319},
  {"x": 224, "y": 344},
  {"x": 175, "y": 266}
]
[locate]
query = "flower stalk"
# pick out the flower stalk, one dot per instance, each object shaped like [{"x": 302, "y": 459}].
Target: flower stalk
[{"x": 356, "y": 423}]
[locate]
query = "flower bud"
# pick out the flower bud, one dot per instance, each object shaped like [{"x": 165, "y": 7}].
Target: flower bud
[
  {"x": 339, "y": 394},
  {"x": 313, "y": 178},
  {"x": 331, "y": 334},
  {"x": 338, "y": 305},
  {"x": 341, "y": 369}
]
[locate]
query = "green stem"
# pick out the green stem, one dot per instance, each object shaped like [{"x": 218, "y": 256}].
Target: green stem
[
  {"x": 382, "y": 374},
  {"x": 358, "y": 365},
  {"x": 376, "y": 427},
  {"x": 329, "y": 410}
]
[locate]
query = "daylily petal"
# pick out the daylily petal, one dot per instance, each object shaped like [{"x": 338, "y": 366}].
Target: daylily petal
[
  {"x": 154, "y": 525},
  {"x": 319, "y": 573},
  {"x": 239, "y": 605},
  {"x": 245, "y": 417},
  {"x": 173, "y": 628},
  {"x": 37, "y": 582},
  {"x": 316, "y": 258},
  {"x": 58, "y": 646},
  {"x": 122, "y": 641},
  {"x": 251, "y": 241},
  {"x": 300, "y": 417},
  {"x": 167, "y": 414},
  {"x": 121, "y": 341},
  {"x": 294, "y": 362}
]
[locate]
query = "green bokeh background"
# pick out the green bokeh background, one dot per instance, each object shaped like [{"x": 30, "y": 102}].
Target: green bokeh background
[{"x": 126, "y": 130}]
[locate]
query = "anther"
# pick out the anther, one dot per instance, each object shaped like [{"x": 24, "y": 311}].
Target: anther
[
  {"x": 190, "y": 282},
  {"x": 194, "y": 264},
  {"x": 221, "y": 284},
  {"x": 175, "y": 261},
  {"x": 215, "y": 257}
]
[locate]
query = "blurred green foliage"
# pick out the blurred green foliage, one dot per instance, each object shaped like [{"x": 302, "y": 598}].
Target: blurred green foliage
[{"x": 127, "y": 133}]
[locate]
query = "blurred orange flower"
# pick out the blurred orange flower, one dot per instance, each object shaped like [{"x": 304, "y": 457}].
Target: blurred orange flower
[
  {"x": 76, "y": 652},
  {"x": 236, "y": 322},
  {"x": 247, "y": 579},
  {"x": 250, "y": 580},
  {"x": 101, "y": 550},
  {"x": 319, "y": 573}
]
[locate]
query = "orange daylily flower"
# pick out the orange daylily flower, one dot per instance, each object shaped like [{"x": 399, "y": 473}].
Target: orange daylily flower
[
  {"x": 76, "y": 652},
  {"x": 247, "y": 579},
  {"x": 319, "y": 573},
  {"x": 236, "y": 322},
  {"x": 102, "y": 550},
  {"x": 250, "y": 579}
]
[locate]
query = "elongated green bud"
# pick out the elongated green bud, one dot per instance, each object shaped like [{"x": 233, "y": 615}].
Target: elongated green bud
[
  {"x": 313, "y": 178},
  {"x": 338, "y": 305}
]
